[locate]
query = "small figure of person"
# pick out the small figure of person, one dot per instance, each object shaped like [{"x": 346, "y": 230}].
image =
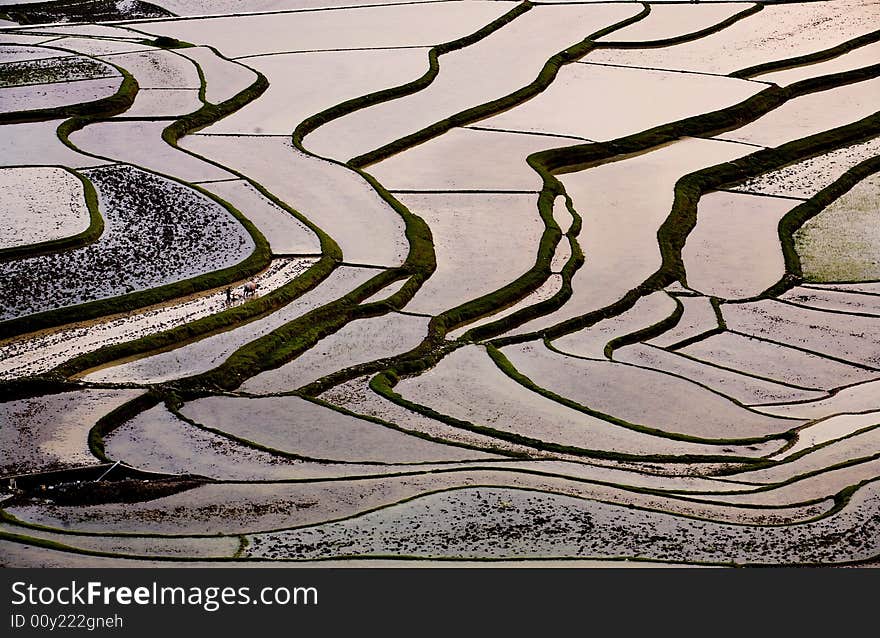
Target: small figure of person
[{"x": 229, "y": 294}]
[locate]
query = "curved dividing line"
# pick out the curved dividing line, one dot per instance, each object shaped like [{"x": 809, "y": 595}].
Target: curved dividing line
[
  {"x": 835, "y": 286},
  {"x": 116, "y": 418},
  {"x": 286, "y": 342},
  {"x": 504, "y": 364},
  {"x": 204, "y": 90},
  {"x": 687, "y": 37},
  {"x": 841, "y": 499},
  {"x": 541, "y": 269},
  {"x": 830, "y": 311},
  {"x": 751, "y": 408},
  {"x": 763, "y": 160},
  {"x": 839, "y": 503},
  {"x": 744, "y": 373},
  {"x": 683, "y": 497},
  {"x": 818, "y": 422},
  {"x": 706, "y": 334},
  {"x": 473, "y": 114},
  {"x": 213, "y": 16},
  {"x": 233, "y": 317},
  {"x": 816, "y": 353},
  {"x": 811, "y": 58},
  {"x": 416, "y": 433},
  {"x": 829, "y": 394},
  {"x": 355, "y": 104},
  {"x": 684, "y": 503},
  {"x": 106, "y": 107},
  {"x": 682, "y": 219},
  {"x": 518, "y": 289}
]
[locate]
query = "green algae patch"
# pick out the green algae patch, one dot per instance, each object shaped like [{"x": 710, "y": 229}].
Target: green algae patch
[{"x": 842, "y": 243}]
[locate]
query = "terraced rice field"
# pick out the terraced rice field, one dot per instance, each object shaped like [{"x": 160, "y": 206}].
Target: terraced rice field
[{"x": 558, "y": 281}]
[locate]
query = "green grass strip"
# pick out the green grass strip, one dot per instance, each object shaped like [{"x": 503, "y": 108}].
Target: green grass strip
[{"x": 256, "y": 262}]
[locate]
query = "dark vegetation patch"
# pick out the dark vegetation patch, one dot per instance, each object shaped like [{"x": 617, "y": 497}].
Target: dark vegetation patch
[
  {"x": 84, "y": 11},
  {"x": 66, "y": 69},
  {"x": 127, "y": 490},
  {"x": 671, "y": 236}
]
